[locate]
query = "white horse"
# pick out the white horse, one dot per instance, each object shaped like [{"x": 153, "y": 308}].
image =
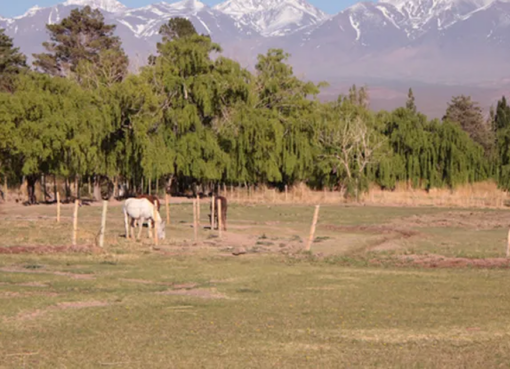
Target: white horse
[{"x": 141, "y": 210}]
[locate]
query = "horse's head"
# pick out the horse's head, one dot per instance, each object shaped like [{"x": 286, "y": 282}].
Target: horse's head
[{"x": 161, "y": 229}]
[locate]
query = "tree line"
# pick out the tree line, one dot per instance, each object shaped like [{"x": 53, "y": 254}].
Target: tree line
[{"x": 193, "y": 117}]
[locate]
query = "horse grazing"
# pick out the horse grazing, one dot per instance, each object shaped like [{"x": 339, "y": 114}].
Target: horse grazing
[
  {"x": 223, "y": 201},
  {"x": 141, "y": 210}
]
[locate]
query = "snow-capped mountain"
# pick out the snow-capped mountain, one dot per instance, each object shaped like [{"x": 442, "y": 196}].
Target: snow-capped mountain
[
  {"x": 428, "y": 40},
  {"x": 273, "y": 17},
  {"x": 112, "y": 6}
]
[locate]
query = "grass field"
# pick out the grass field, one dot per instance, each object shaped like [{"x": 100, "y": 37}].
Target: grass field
[{"x": 384, "y": 287}]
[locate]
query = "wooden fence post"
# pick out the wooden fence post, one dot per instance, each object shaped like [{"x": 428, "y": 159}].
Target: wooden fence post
[
  {"x": 167, "y": 205},
  {"x": 103, "y": 224},
  {"x": 75, "y": 221},
  {"x": 312, "y": 230},
  {"x": 212, "y": 212},
  {"x": 154, "y": 217},
  {"x": 219, "y": 218},
  {"x": 58, "y": 207},
  {"x": 195, "y": 226},
  {"x": 198, "y": 210},
  {"x": 508, "y": 246}
]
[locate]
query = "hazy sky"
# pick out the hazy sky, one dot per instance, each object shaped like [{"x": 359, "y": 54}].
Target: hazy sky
[{"x": 18, "y": 7}]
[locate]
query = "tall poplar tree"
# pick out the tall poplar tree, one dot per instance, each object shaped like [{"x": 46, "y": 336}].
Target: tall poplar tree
[
  {"x": 83, "y": 44},
  {"x": 12, "y": 62}
]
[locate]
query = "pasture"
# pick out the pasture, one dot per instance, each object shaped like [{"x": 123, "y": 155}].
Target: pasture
[{"x": 383, "y": 287}]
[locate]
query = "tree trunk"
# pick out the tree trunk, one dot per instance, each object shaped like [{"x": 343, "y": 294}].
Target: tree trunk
[
  {"x": 115, "y": 187},
  {"x": 168, "y": 188},
  {"x": 77, "y": 187},
  {"x": 97, "y": 189},
  {"x": 55, "y": 187},
  {"x": 43, "y": 184},
  {"x": 67, "y": 189},
  {"x": 31, "y": 181}
]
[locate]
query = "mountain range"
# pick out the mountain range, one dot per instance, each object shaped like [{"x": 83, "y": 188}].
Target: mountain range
[{"x": 442, "y": 42}]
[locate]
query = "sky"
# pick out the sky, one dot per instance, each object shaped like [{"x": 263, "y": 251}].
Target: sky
[{"x": 15, "y": 8}]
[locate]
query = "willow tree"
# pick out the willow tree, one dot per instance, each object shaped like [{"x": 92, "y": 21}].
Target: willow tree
[
  {"x": 460, "y": 160},
  {"x": 293, "y": 103},
  {"x": 192, "y": 97},
  {"x": 415, "y": 156},
  {"x": 52, "y": 127}
]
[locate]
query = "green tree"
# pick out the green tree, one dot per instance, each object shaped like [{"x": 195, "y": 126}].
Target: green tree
[
  {"x": 501, "y": 127},
  {"x": 192, "y": 101},
  {"x": 410, "y": 104},
  {"x": 83, "y": 43},
  {"x": 12, "y": 62},
  {"x": 293, "y": 103},
  {"x": 177, "y": 28},
  {"x": 469, "y": 115}
]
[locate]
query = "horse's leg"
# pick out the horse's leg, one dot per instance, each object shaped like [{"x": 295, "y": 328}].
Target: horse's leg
[
  {"x": 127, "y": 224},
  {"x": 149, "y": 228},
  {"x": 140, "y": 225},
  {"x": 132, "y": 225}
]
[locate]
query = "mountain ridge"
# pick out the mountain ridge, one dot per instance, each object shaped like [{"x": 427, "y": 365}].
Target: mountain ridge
[{"x": 442, "y": 42}]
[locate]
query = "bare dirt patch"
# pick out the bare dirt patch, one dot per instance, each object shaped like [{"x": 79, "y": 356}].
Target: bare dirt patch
[
  {"x": 82, "y": 304},
  {"x": 40, "y": 250},
  {"x": 201, "y": 293},
  {"x": 389, "y": 241},
  {"x": 144, "y": 281},
  {"x": 64, "y": 274},
  {"x": 404, "y": 233},
  {"x": 32, "y": 284},
  {"x": 10, "y": 294},
  {"x": 30, "y": 315},
  {"x": 478, "y": 220},
  {"x": 439, "y": 261}
]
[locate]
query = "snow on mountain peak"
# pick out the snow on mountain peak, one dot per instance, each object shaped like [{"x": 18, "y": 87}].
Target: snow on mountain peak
[
  {"x": 112, "y": 6},
  {"x": 273, "y": 17},
  {"x": 188, "y": 5}
]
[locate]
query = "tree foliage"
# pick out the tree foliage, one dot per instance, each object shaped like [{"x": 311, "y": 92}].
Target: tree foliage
[
  {"x": 196, "y": 118},
  {"x": 464, "y": 111},
  {"x": 12, "y": 62},
  {"x": 83, "y": 44}
]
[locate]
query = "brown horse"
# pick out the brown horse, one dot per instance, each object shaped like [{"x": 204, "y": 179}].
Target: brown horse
[{"x": 223, "y": 201}]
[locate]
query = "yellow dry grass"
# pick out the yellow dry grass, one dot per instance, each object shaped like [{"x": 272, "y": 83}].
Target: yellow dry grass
[{"x": 479, "y": 195}]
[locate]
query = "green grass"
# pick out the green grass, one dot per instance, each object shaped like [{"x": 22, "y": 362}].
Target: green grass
[
  {"x": 273, "y": 314},
  {"x": 196, "y": 306}
]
